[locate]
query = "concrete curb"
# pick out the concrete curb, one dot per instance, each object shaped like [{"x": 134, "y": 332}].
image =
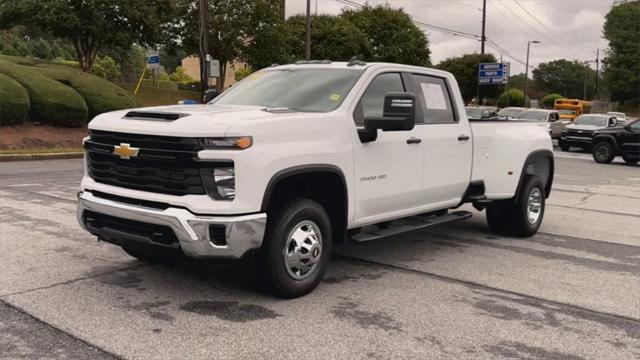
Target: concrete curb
[{"x": 42, "y": 156}]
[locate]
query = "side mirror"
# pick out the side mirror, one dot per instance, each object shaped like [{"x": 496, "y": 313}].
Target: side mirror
[
  {"x": 612, "y": 122},
  {"x": 209, "y": 95},
  {"x": 398, "y": 114}
]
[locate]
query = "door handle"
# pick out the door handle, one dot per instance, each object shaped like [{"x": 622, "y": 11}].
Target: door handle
[
  {"x": 463, "y": 137},
  {"x": 413, "y": 140}
]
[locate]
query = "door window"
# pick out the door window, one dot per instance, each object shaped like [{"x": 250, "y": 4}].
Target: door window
[
  {"x": 435, "y": 99},
  {"x": 372, "y": 102}
]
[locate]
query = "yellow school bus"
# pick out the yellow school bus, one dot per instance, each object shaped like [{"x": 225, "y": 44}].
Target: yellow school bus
[{"x": 569, "y": 109}]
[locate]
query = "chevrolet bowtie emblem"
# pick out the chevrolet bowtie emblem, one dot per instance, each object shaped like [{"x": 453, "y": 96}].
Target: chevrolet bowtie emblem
[{"x": 125, "y": 151}]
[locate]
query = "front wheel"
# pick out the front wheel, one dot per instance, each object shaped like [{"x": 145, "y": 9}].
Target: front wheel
[
  {"x": 603, "y": 152},
  {"x": 297, "y": 249},
  {"x": 522, "y": 215}
]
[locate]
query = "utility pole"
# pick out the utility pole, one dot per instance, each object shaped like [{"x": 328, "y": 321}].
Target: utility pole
[
  {"x": 204, "y": 45},
  {"x": 597, "y": 71},
  {"x": 482, "y": 40},
  {"x": 308, "y": 39},
  {"x": 484, "y": 22},
  {"x": 283, "y": 7},
  {"x": 526, "y": 70}
]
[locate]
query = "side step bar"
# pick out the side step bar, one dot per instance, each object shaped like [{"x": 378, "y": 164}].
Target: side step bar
[{"x": 373, "y": 232}]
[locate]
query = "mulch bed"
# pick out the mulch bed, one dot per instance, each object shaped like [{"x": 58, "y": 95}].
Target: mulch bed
[{"x": 36, "y": 136}]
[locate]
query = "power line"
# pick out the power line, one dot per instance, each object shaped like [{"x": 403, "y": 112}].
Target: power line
[{"x": 549, "y": 28}]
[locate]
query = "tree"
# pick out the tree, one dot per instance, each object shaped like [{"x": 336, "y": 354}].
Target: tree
[
  {"x": 93, "y": 25},
  {"x": 20, "y": 41},
  {"x": 513, "y": 97},
  {"x": 106, "y": 68},
  {"x": 242, "y": 73},
  {"x": 550, "y": 99},
  {"x": 622, "y": 64},
  {"x": 392, "y": 35},
  {"x": 332, "y": 38},
  {"x": 266, "y": 41},
  {"x": 565, "y": 77},
  {"x": 228, "y": 23},
  {"x": 179, "y": 76},
  {"x": 465, "y": 70}
]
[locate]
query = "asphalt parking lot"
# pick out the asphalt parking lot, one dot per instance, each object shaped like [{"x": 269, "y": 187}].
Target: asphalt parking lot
[{"x": 449, "y": 292}]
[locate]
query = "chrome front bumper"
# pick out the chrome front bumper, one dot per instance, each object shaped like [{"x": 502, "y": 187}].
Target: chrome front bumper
[{"x": 243, "y": 232}]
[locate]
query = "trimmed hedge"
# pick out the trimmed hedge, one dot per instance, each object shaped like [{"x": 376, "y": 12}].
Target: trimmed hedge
[
  {"x": 549, "y": 100},
  {"x": 52, "y": 102},
  {"x": 14, "y": 102},
  {"x": 100, "y": 95}
]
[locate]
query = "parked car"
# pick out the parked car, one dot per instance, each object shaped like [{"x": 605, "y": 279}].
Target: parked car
[
  {"x": 357, "y": 152},
  {"x": 481, "y": 112},
  {"x": 580, "y": 133},
  {"x": 509, "y": 112},
  {"x": 617, "y": 141},
  {"x": 621, "y": 117},
  {"x": 547, "y": 118}
]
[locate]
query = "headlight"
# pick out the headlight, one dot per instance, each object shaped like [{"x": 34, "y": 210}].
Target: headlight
[
  {"x": 220, "y": 181},
  {"x": 235, "y": 142}
]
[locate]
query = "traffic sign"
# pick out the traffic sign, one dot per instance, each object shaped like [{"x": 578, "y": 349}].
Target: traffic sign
[
  {"x": 153, "y": 61},
  {"x": 493, "y": 73}
]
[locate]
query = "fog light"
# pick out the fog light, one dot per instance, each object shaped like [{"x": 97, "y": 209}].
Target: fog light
[{"x": 225, "y": 180}]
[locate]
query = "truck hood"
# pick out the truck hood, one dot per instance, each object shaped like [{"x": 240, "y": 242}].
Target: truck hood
[
  {"x": 584, "y": 127},
  {"x": 194, "y": 120}
]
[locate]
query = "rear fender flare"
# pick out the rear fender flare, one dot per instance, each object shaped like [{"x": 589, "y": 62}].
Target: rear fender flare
[{"x": 536, "y": 164}]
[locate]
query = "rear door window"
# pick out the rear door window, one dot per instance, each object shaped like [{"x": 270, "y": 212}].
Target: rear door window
[{"x": 434, "y": 97}]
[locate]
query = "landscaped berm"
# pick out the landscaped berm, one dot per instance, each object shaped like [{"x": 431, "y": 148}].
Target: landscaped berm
[{"x": 55, "y": 94}]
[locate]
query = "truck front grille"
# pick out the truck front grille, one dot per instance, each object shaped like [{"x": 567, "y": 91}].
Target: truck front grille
[{"x": 163, "y": 164}]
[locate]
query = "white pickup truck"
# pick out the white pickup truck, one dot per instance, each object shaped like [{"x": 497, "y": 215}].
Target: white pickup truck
[{"x": 296, "y": 158}]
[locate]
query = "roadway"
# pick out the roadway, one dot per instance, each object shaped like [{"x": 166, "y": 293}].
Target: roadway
[{"x": 449, "y": 292}]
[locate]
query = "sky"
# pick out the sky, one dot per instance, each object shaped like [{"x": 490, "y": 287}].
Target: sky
[{"x": 567, "y": 29}]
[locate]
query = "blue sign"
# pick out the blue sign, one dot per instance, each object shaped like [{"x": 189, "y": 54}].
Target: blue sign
[
  {"x": 153, "y": 60},
  {"x": 493, "y": 73}
]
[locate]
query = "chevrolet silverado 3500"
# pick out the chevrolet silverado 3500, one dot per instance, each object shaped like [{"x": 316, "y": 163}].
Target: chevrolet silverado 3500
[{"x": 296, "y": 158}]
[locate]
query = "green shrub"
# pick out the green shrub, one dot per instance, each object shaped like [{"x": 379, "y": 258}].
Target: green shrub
[
  {"x": 99, "y": 94},
  {"x": 242, "y": 73},
  {"x": 179, "y": 76},
  {"x": 52, "y": 102},
  {"x": 550, "y": 99},
  {"x": 14, "y": 102},
  {"x": 513, "y": 97}
]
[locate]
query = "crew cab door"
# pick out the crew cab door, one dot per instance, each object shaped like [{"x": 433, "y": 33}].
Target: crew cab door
[
  {"x": 630, "y": 140},
  {"x": 388, "y": 171},
  {"x": 447, "y": 142}
]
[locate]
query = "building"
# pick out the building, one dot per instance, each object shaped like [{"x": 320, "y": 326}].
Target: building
[{"x": 191, "y": 66}]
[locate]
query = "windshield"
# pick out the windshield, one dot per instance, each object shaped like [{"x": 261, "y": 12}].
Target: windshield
[
  {"x": 313, "y": 90},
  {"x": 591, "y": 120},
  {"x": 566, "y": 112},
  {"x": 533, "y": 115},
  {"x": 509, "y": 112}
]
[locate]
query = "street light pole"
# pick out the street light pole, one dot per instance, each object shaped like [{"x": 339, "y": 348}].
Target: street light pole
[{"x": 526, "y": 70}]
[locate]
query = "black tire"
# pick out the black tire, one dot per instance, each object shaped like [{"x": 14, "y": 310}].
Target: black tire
[
  {"x": 273, "y": 272},
  {"x": 511, "y": 216},
  {"x": 603, "y": 152},
  {"x": 563, "y": 146},
  {"x": 630, "y": 160}
]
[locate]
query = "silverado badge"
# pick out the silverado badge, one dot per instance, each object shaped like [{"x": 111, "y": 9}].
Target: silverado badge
[{"x": 125, "y": 151}]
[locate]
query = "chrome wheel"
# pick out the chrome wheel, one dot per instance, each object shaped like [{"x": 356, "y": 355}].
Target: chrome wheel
[
  {"x": 303, "y": 249},
  {"x": 534, "y": 205}
]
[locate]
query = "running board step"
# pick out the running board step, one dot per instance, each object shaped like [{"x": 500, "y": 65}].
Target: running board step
[{"x": 400, "y": 226}]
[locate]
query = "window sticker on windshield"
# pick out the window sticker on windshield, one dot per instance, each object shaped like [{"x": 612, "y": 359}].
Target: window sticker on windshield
[
  {"x": 334, "y": 97},
  {"x": 434, "y": 96}
]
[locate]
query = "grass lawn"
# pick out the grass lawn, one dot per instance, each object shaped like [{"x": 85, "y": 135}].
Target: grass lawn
[{"x": 148, "y": 96}]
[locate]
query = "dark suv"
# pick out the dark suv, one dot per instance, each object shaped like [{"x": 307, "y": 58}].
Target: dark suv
[{"x": 610, "y": 142}]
